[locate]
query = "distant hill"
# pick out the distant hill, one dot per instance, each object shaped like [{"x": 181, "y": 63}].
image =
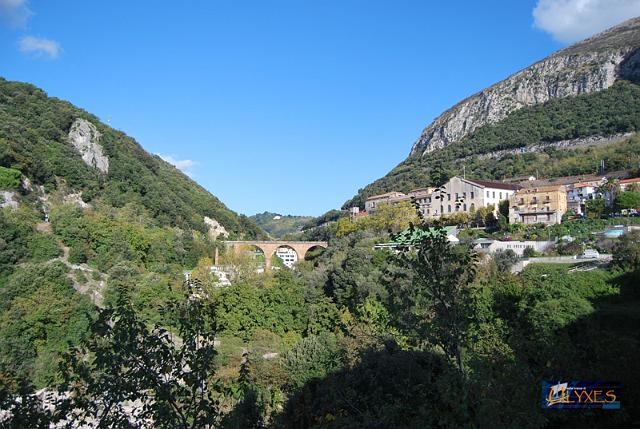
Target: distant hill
[
  {"x": 55, "y": 144},
  {"x": 278, "y": 225},
  {"x": 580, "y": 96}
]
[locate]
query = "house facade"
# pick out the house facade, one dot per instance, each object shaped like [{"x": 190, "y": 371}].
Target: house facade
[
  {"x": 374, "y": 201},
  {"x": 460, "y": 195},
  {"x": 626, "y": 184},
  {"x": 545, "y": 204},
  {"x": 579, "y": 193}
]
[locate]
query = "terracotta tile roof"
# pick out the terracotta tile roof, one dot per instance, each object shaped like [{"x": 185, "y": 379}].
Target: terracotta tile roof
[{"x": 634, "y": 180}]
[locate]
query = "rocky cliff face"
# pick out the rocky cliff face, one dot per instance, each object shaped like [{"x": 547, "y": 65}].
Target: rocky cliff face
[
  {"x": 84, "y": 136},
  {"x": 589, "y": 66}
]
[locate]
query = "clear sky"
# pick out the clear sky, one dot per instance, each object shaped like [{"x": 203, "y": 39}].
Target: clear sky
[{"x": 286, "y": 106}]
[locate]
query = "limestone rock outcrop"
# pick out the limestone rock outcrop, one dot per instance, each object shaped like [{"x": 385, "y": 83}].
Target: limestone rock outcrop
[
  {"x": 589, "y": 66},
  {"x": 215, "y": 227},
  {"x": 85, "y": 137}
]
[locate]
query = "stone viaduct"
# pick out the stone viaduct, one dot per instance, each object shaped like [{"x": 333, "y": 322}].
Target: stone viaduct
[{"x": 269, "y": 247}]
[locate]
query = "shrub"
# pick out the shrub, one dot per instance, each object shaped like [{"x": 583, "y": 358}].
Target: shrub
[{"x": 9, "y": 178}]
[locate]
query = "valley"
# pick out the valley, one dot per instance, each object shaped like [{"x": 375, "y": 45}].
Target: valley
[{"x": 502, "y": 254}]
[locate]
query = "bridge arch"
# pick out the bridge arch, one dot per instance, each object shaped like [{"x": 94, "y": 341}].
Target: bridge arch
[{"x": 269, "y": 248}]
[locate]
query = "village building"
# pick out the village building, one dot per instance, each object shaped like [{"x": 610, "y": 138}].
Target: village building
[
  {"x": 518, "y": 247},
  {"x": 461, "y": 195},
  {"x": 625, "y": 184},
  {"x": 579, "y": 193},
  {"x": 374, "y": 201},
  {"x": 545, "y": 204}
]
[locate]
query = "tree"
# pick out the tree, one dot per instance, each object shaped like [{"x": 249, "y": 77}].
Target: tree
[
  {"x": 505, "y": 259},
  {"x": 435, "y": 307},
  {"x": 595, "y": 208},
  {"x": 627, "y": 200},
  {"x": 9, "y": 178},
  {"x": 609, "y": 189},
  {"x": 503, "y": 208},
  {"x": 626, "y": 253},
  {"x": 164, "y": 378}
]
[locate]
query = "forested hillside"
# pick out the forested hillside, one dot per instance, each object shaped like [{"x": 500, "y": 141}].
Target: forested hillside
[
  {"x": 278, "y": 225},
  {"x": 34, "y": 139},
  {"x": 83, "y": 208},
  {"x": 612, "y": 111}
]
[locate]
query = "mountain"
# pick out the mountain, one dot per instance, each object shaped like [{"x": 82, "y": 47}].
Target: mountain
[
  {"x": 88, "y": 216},
  {"x": 56, "y": 145},
  {"x": 278, "y": 225},
  {"x": 585, "y": 95}
]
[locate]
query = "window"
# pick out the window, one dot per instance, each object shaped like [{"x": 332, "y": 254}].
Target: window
[
  {"x": 487, "y": 194},
  {"x": 428, "y": 199},
  {"x": 471, "y": 194},
  {"x": 464, "y": 207},
  {"x": 449, "y": 198},
  {"x": 494, "y": 194},
  {"x": 464, "y": 195},
  {"x": 457, "y": 195},
  {"x": 472, "y": 207},
  {"x": 457, "y": 207},
  {"x": 449, "y": 208},
  {"x": 500, "y": 195}
]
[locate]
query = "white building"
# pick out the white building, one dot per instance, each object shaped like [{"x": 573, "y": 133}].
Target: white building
[
  {"x": 579, "y": 193},
  {"x": 288, "y": 255},
  {"x": 493, "y": 246}
]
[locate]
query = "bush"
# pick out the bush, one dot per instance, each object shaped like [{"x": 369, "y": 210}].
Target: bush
[
  {"x": 9, "y": 178},
  {"x": 312, "y": 358}
]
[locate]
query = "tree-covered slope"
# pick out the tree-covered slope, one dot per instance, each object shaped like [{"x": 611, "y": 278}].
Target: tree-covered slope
[
  {"x": 278, "y": 225},
  {"x": 612, "y": 111},
  {"x": 34, "y": 139}
]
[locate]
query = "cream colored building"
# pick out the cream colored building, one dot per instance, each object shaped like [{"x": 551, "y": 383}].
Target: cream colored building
[
  {"x": 374, "y": 201},
  {"x": 545, "y": 204},
  {"x": 460, "y": 195}
]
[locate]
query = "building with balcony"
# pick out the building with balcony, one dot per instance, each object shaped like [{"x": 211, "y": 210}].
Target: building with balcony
[
  {"x": 545, "y": 204},
  {"x": 461, "y": 195}
]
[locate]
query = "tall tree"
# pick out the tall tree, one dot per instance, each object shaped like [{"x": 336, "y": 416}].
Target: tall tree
[
  {"x": 435, "y": 307},
  {"x": 130, "y": 376}
]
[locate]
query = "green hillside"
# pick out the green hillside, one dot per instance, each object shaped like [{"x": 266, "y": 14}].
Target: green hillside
[
  {"x": 278, "y": 225},
  {"x": 72, "y": 236},
  {"x": 33, "y": 140},
  {"x": 608, "y": 112}
]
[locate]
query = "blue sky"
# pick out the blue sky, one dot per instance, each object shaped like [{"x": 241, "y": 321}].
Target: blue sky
[{"x": 286, "y": 106}]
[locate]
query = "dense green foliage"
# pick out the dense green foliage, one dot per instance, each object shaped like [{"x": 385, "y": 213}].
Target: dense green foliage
[
  {"x": 611, "y": 111},
  {"x": 277, "y": 225},
  {"x": 33, "y": 139},
  {"x": 40, "y": 315},
  {"x": 431, "y": 336},
  {"x": 9, "y": 178}
]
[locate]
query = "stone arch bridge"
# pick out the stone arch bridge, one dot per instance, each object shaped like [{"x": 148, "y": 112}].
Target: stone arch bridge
[{"x": 269, "y": 247}]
